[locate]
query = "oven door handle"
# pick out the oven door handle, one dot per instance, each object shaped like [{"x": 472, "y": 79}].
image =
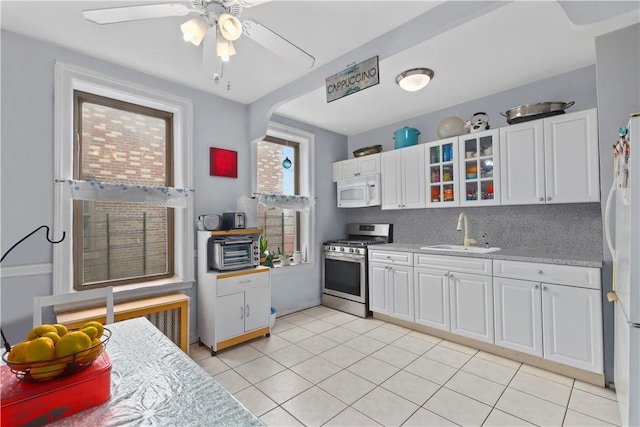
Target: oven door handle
[{"x": 344, "y": 257}]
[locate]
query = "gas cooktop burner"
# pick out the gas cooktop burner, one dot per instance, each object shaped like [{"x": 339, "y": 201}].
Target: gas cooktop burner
[{"x": 354, "y": 242}]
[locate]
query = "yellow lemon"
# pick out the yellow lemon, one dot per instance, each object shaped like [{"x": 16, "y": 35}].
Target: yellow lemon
[
  {"x": 54, "y": 337},
  {"x": 96, "y": 325},
  {"x": 93, "y": 352},
  {"x": 39, "y": 331},
  {"x": 17, "y": 356},
  {"x": 43, "y": 373},
  {"x": 91, "y": 331},
  {"x": 62, "y": 330},
  {"x": 40, "y": 350},
  {"x": 73, "y": 342}
]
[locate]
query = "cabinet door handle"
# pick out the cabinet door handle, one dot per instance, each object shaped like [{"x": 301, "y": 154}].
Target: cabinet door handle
[
  {"x": 539, "y": 271},
  {"x": 544, "y": 288},
  {"x": 548, "y": 199},
  {"x": 537, "y": 286},
  {"x": 541, "y": 199},
  {"x": 241, "y": 312},
  {"x": 247, "y": 310}
]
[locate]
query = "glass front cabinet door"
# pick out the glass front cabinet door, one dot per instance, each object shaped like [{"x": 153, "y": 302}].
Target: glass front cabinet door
[
  {"x": 442, "y": 173},
  {"x": 479, "y": 180}
]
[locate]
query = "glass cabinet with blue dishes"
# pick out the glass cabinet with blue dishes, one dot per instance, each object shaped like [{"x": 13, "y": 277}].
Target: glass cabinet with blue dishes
[
  {"x": 442, "y": 173},
  {"x": 479, "y": 179}
]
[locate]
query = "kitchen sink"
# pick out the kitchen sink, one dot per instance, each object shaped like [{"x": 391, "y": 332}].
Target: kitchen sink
[{"x": 460, "y": 248}]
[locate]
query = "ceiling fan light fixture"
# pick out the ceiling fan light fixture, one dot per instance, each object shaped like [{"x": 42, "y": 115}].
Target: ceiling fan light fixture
[
  {"x": 414, "y": 79},
  {"x": 224, "y": 47},
  {"x": 230, "y": 26},
  {"x": 193, "y": 30}
]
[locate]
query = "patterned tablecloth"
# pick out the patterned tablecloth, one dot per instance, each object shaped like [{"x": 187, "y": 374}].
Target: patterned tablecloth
[{"x": 153, "y": 383}]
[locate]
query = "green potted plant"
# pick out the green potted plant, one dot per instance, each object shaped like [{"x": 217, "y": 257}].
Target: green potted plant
[
  {"x": 285, "y": 259},
  {"x": 266, "y": 257}
]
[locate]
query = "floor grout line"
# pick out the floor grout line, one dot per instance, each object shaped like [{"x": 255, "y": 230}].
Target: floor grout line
[{"x": 388, "y": 346}]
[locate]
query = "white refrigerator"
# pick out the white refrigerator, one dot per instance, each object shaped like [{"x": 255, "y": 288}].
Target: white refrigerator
[{"x": 623, "y": 237}]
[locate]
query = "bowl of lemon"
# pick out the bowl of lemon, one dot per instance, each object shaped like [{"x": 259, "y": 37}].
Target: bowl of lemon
[{"x": 52, "y": 351}]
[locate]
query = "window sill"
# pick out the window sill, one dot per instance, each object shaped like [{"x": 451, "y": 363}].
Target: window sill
[{"x": 293, "y": 268}]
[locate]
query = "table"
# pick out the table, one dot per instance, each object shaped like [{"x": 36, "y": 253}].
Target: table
[{"x": 154, "y": 383}]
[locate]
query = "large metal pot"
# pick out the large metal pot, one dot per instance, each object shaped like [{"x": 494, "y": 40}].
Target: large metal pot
[{"x": 528, "y": 112}]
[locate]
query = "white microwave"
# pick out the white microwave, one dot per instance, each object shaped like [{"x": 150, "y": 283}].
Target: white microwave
[{"x": 359, "y": 192}]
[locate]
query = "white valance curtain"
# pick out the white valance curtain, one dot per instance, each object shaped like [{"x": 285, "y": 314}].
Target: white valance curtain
[
  {"x": 281, "y": 201},
  {"x": 107, "y": 192}
]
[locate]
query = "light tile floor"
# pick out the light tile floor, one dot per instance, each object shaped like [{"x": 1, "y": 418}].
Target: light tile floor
[{"x": 325, "y": 367}]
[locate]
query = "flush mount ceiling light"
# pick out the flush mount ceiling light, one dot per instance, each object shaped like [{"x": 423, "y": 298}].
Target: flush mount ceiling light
[
  {"x": 194, "y": 29},
  {"x": 414, "y": 79}
]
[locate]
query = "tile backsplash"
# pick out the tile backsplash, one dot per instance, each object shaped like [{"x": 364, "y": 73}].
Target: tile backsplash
[{"x": 574, "y": 229}]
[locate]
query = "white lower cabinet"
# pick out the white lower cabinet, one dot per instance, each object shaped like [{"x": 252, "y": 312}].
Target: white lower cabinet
[
  {"x": 454, "y": 294},
  {"x": 572, "y": 326},
  {"x": 471, "y": 306},
  {"x": 518, "y": 315},
  {"x": 242, "y": 312},
  {"x": 391, "y": 284},
  {"x": 432, "y": 298},
  {"x": 559, "y": 321},
  {"x": 233, "y": 307}
]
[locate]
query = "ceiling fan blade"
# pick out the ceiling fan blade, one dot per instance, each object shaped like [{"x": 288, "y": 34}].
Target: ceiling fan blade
[
  {"x": 275, "y": 43},
  {"x": 209, "y": 58},
  {"x": 134, "y": 13},
  {"x": 250, "y": 3}
]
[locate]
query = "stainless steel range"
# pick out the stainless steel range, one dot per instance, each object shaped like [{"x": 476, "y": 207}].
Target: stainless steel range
[{"x": 345, "y": 267}]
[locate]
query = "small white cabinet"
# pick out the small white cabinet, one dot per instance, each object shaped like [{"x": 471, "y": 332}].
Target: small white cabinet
[
  {"x": 233, "y": 306},
  {"x": 550, "y": 310},
  {"x": 391, "y": 284},
  {"x": 403, "y": 183},
  {"x": 454, "y": 294},
  {"x": 551, "y": 160},
  {"x": 358, "y": 166}
]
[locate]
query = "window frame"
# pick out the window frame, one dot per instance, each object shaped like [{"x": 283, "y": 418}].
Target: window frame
[
  {"x": 306, "y": 141},
  {"x": 296, "y": 183},
  {"x": 79, "y": 99},
  {"x": 69, "y": 78}
]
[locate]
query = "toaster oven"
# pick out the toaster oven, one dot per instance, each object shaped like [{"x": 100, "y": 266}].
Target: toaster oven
[{"x": 232, "y": 253}]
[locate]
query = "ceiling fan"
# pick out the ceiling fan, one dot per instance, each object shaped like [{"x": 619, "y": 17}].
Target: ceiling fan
[{"x": 217, "y": 27}]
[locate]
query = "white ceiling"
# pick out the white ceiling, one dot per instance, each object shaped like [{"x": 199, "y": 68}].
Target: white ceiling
[{"x": 512, "y": 45}]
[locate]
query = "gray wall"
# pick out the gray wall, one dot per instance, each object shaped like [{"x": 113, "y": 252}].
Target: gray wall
[
  {"x": 27, "y": 172},
  {"x": 618, "y": 84},
  {"x": 578, "y": 85},
  {"x": 572, "y": 229}
]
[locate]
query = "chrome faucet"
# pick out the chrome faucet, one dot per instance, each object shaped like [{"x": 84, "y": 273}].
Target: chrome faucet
[{"x": 467, "y": 240}]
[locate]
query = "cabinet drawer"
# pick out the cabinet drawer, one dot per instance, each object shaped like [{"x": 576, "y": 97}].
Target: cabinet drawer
[
  {"x": 396, "y": 258},
  {"x": 584, "y": 277},
  {"x": 229, "y": 283},
  {"x": 452, "y": 263}
]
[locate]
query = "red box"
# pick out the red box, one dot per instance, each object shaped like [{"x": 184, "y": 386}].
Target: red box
[{"x": 37, "y": 404}]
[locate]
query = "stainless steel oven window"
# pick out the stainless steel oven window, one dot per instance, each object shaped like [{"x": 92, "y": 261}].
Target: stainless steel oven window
[{"x": 344, "y": 275}]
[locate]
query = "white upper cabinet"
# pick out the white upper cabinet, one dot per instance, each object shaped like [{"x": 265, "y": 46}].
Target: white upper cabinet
[
  {"x": 552, "y": 160},
  {"x": 479, "y": 180},
  {"x": 572, "y": 164},
  {"x": 403, "y": 183},
  {"x": 442, "y": 170},
  {"x": 359, "y": 166}
]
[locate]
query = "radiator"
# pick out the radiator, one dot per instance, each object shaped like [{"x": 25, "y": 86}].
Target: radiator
[
  {"x": 168, "y": 322},
  {"x": 169, "y": 313}
]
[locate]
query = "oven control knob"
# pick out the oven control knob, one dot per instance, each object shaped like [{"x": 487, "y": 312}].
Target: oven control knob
[{"x": 341, "y": 249}]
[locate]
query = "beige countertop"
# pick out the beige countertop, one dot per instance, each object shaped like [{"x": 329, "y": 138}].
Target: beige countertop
[{"x": 505, "y": 254}]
